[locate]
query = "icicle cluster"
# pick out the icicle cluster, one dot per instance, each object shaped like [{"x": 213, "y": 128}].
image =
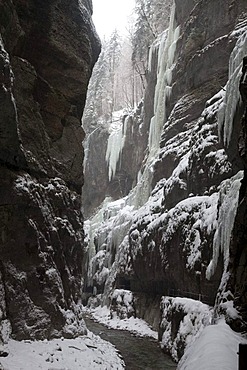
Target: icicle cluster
[
  {"x": 232, "y": 95},
  {"x": 115, "y": 146},
  {"x": 111, "y": 235}
]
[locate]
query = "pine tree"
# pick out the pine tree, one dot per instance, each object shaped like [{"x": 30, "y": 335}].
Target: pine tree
[
  {"x": 113, "y": 54},
  {"x": 152, "y": 17},
  {"x": 101, "y": 98}
]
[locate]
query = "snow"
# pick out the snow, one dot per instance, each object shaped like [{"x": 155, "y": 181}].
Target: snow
[
  {"x": 85, "y": 352},
  {"x": 134, "y": 325},
  {"x": 196, "y": 215},
  {"x": 193, "y": 316},
  {"x": 216, "y": 348},
  {"x": 209, "y": 216},
  {"x": 118, "y": 216}
]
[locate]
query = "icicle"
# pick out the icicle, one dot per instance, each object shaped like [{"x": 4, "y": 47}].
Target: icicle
[
  {"x": 166, "y": 58},
  {"x": 232, "y": 96},
  {"x": 228, "y": 198},
  {"x": 112, "y": 235},
  {"x": 166, "y": 61},
  {"x": 115, "y": 146}
]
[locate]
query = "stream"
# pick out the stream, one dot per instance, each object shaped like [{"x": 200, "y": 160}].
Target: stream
[{"x": 138, "y": 353}]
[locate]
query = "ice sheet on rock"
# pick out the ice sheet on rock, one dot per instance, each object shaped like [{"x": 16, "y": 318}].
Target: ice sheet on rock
[
  {"x": 232, "y": 95},
  {"x": 111, "y": 235},
  {"x": 106, "y": 231},
  {"x": 166, "y": 60},
  {"x": 228, "y": 202}
]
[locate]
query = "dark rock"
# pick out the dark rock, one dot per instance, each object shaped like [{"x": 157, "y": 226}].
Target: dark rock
[
  {"x": 238, "y": 247},
  {"x": 96, "y": 171},
  {"x": 47, "y": 52},
  {"x": 158, "y": 257},
  {"x": 97, "y": 184},
  {"x": 173, "y": 246}
]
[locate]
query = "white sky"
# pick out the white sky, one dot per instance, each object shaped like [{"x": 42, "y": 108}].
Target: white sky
[{"x": 111, "y": 14}]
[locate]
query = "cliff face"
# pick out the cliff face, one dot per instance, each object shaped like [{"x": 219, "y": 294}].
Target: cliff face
[
  {"x": 192, "y": 164},
  {"x": 108, "y": 170},
  {"x": 238, "y": 246},
  {"x": 47, "y": 52},
  {"x": 171, "y": 235}
]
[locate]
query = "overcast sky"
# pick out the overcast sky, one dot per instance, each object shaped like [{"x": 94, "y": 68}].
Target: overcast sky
[{"x": 111, "y": 14}]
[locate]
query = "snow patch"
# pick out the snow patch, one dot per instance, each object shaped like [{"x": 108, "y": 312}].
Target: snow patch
[
  {"x": 216, "y": 348},
  {"x": 188, "y": 316},
  {"x": 86, "y": 352},
  {"x": 134, "y": 325}
]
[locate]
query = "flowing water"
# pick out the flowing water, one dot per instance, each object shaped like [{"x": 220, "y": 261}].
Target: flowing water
[{"x": 138, "y": 353}]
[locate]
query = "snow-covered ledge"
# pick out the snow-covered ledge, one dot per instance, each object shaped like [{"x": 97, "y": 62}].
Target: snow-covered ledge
[
  {"x": 182, "y": 321},
  {"x": 216, "y": 348}
]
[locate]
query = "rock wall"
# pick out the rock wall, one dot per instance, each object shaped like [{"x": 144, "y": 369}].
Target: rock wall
[
  {"x": 133, "y": 132},
  {"x": 176, "y": 242},
  {"x": 178, "y": 220},
  {"x": 238, "y": 249},
  {"x": 47, "y": 51}
]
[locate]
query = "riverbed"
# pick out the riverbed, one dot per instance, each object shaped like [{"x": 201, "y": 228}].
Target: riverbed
[{"x": 138, "y": 353}]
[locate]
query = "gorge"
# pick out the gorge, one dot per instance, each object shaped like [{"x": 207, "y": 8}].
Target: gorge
[
  {"x": 159, "y": 230},
  {"x": 171, "y": 175}
]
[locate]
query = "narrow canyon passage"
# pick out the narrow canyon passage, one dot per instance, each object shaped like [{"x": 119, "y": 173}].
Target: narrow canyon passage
[
  {"x": 123, "y": 184},
  {"x": 138, "y": 353}
]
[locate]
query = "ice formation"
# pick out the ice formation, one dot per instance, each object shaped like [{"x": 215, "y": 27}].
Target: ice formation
[
  {"x": 227, "y": 204},
  {"x": 203, "y": 217},
  {"x": 115, "y": 145},
  {"x": 110, "y": 235},
  {"x": 166, "y": 62},
  {"x": 232, "y": 95}
]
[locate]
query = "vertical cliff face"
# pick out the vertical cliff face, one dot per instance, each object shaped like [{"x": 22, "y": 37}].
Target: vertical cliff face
[
  {"x": 47, "y": 52},
  {"x": 171, "y": 235},
  {"x": 108, "y": 170},
  {"x": 238, "y": 246}
]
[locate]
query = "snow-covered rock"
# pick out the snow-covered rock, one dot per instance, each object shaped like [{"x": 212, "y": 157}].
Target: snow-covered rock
[
  {"x": 178, "y": 219},
  {"x": 182, "y": 321}
]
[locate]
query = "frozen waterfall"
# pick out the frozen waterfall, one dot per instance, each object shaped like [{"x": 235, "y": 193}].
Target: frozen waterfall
[
  {"x": 115, "y": 143},
  {"x": 232, "y": 95},
  {"x": 108, "y": 239}
]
